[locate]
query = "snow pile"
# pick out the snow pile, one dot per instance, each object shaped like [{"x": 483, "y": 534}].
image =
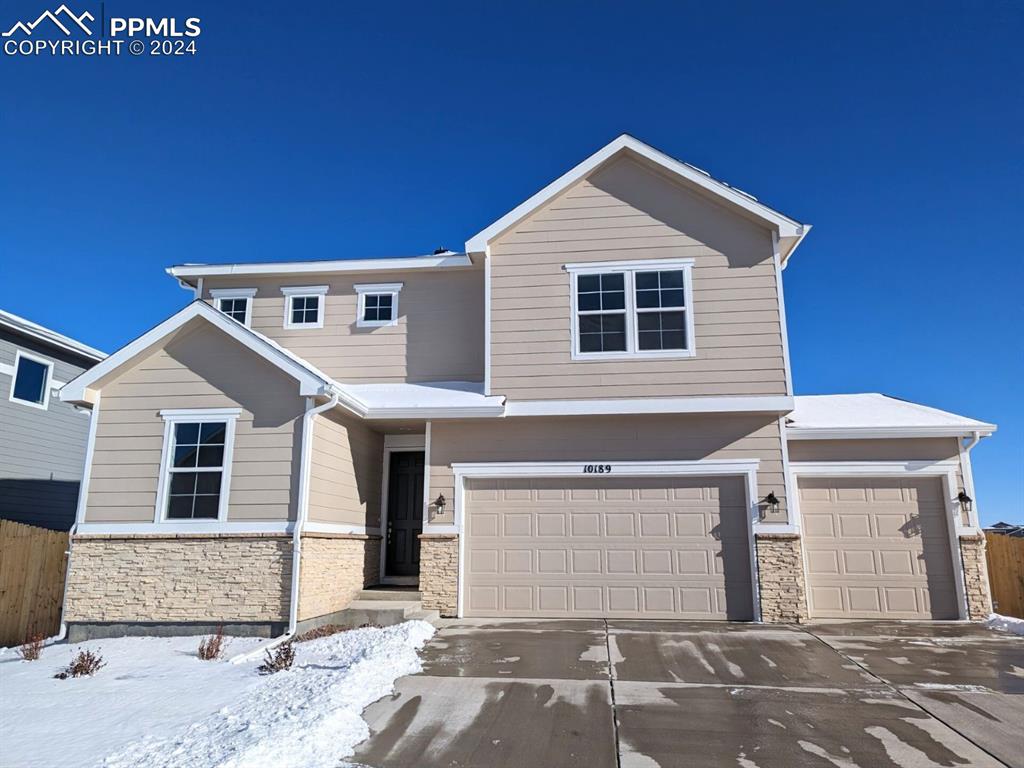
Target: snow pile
[
  {"x": 306, "y": 717},
  {"x": 150, "y": 685},
  {"x": 155, "y": 704},
  {"x": 1005, "y": 624}
]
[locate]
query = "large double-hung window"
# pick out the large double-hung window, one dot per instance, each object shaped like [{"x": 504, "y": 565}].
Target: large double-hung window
[
  {"x": 196, "y": 467},
  {"x": 631, "y": 309}
]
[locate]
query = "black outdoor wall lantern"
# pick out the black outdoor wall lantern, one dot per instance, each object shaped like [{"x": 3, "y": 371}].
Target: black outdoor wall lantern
[
  {"x": 772, "y": 501},
  {"x": 966, "y": 502}
]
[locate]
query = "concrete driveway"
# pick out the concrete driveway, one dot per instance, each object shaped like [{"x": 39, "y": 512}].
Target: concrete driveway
[{"x": 642, "y": 694}]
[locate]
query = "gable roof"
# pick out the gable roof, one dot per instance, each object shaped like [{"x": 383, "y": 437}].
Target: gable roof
[
  {"x": 311, "y": 380},
  {"x": 36, "y": 331},
  {"x": 873, "y": 415},
  {"x": 790, "y": 231}
]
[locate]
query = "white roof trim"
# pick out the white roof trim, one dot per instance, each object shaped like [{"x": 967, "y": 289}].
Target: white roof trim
[
  {"x": 441, "y": 261},
  {"x": 36, "y": 331},
  {"x": 786, "y": 227},
  {"x": 882, "y": 433},
  {"x": 311, "y": 381},
  {"x": 738, "y": 404}
]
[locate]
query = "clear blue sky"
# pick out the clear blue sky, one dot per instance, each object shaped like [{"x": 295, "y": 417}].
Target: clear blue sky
[{"x": 337, "y": 130}]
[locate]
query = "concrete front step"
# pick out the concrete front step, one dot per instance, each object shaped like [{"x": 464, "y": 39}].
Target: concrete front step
[
  {"x": 384, "y": 613},
  {"x": 403, "y": 594}
]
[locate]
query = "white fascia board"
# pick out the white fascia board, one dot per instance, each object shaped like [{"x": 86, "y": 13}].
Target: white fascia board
[
  {"x": 310, "y": 384},
  {"x": 883, "y": 433},
  {"x": 321, "y": 267},
  {"x": 434, "y": 412},
  {"x": 768, "y": 404},
  {"x": 36, "y": 331},
  {"x": 874, "y": 468},
  {"x": 786, "y": 227}
]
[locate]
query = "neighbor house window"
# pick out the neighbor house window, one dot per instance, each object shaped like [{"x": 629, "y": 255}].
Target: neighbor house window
[
  {"x": 631, "y": 309},
  {"x": 30, "y": 383},
  {"x": 236, "y": 303},
  {"x": 304, "y": 306},
  {"x": 378, "y": 304},
  {"x": 196, "y": 464}
]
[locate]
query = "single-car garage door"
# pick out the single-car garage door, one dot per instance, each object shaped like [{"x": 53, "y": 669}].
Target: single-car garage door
[
  {"x": 877, "y": 548},
  {"x": 658, "y": 547}
]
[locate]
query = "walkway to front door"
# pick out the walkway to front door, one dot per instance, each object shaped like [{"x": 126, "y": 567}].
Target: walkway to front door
[{"x": 404, "y": 514}]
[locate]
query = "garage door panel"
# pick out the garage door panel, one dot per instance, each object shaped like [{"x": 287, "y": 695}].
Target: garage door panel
[
  {"x": 661, "y": 547},
  {"x": 877, "y": 547}
]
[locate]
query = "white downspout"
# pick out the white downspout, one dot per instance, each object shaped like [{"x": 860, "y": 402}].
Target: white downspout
[
  {"x": 968, "y": 473},
  {"x": 303, "y": 507},
  {"x": 305, "y": 462}
]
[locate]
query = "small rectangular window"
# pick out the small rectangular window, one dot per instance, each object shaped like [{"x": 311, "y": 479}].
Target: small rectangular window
[
  {"x": 236, "y": 303},
  {"x": 31, "y": 382},
  {"x": 637, "y": 309},
  {"x": 304, "y": 307},
  {"x": 235, "y": 308},
  {"x": 377, "y": 305},
  {"x": 196, "y": 470}
]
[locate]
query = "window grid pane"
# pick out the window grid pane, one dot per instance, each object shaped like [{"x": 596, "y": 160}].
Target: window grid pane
[
  {"x": 194, "y": 483},
  {"x": 234, "y": 308},
  {"x": 377, "y": 307},
  {"x": 305, "y": 310},
  {"x": 659, "y": 290}
]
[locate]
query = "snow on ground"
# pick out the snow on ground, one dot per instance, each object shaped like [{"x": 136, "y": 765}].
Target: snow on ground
[
  {"x": 155, "y": 705},
  {"x": 1005, "y": 623}
]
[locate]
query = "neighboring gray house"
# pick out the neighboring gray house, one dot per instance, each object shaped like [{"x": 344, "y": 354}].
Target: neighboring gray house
[{"x": 42, "y": 440}]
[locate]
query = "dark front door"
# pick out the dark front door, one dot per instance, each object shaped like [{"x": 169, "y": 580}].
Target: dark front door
[{"x": 405, "y": 514}]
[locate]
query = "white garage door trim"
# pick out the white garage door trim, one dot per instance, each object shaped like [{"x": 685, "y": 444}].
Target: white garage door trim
[
  {"x": 945, "y": 469},
  {"x": 746, "y": 468}
]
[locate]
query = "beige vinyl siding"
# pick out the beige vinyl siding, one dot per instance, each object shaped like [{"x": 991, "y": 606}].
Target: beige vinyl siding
[
  {"x": 684, "y": 437},
  {"x": 199, "y": 368},
  {"x": 905, "y": 449},
  {"x": 439, "y": 336},
  {"x": 627, "y": 212},
  {"x": 345, "y": 471}
]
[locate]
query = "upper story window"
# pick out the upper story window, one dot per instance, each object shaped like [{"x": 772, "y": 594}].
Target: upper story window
[
  {"x": 236, "y": 303},
  {"x": 304, "y": 306},
  {"x": 196, "y": 473},
  {"x": 378, "y": 304},
  {"x": 631, "y": 309},
  {"x": 30, "y": 384}
]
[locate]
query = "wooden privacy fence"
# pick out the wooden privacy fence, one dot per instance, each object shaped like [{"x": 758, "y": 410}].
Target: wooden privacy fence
[
  {"x": 32, "y": 565},
  {"x": 1005, "y": 555}
]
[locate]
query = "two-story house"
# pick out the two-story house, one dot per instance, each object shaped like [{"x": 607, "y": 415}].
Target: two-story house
[
  {"x": 589, "y": 412},
  {"x": 42, "y": 440}
]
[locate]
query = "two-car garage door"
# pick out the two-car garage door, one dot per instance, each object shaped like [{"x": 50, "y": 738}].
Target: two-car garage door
[
  {"x": 877, "y": 548},
  {"x": 658, "y": 547}
]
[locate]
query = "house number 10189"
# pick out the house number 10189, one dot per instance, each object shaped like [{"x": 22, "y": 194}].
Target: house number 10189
[{"x": 597, "y": 469}]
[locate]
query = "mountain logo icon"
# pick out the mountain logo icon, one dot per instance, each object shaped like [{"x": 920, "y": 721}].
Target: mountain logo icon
[{"x": 63, "y": 18}]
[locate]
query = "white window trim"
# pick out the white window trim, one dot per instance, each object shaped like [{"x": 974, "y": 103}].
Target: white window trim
[
  {"x": 377, "y": 289},
  {"x": 46, "y": 384},
  {"x": 304, "y": 291},
  {"x": 235, "y": 293},
  {"x": 629, "y": 268},
  {"x": 174, "y": 416}
]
